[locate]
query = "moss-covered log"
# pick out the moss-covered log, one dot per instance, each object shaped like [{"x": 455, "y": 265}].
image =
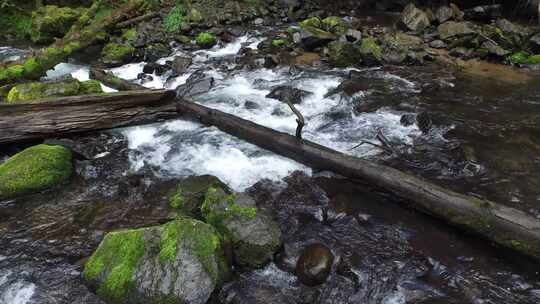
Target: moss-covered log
[
  {"x": 89, "y": 28},
  {"x": 114, "y": 82},
  {"x": 505, "y": 226},
  {"x": 67, "y": 115}
]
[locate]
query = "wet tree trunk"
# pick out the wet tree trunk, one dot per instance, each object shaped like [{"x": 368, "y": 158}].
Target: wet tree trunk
[
  {"x": 505, "y": 226},
  {"x": 77, "y": 114}
]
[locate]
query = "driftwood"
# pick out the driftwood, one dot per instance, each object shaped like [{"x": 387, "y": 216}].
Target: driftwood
[
  {"x": 505, "y": 226},
  {"x": 108, "y": 79},
  {"x": 77, "y": 114}
]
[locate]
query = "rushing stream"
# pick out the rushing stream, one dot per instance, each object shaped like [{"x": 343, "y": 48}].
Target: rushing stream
[{"x": 385, "y": 253}]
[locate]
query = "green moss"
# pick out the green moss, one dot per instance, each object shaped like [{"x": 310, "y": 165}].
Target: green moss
[
  {"x": 115, "y": 53},
  {"x": 311, "y": 22},
  {"x": 524, "y": 58},
  {"x": 129, "y": 35},
  {"x": 11, "y": 73},
  {"x": 114, "y": 262},
  {"x": 50, "y": 21},
  {"x": 39, "y": 90},
  {"x": 177, "y": 199},
  {"x": 279, "y": 42},
  {"x": 370, "y": 48},
  {"x": 50, "y": 57},
  {"x": 32, "y": 69},
  {"x": 206, "y": 39},
  {"x": 34, "y": 169},
  {"x": 90, "y": 87},
  {"x": 219, "y": 207},
  {"x": 174, "y": 19},
  {"x": 201, "y": 238},
  {"x": 334, "y": 25},
  {"x": 15, "y": 23}
]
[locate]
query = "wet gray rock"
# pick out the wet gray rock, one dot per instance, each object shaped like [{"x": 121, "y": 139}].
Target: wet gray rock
[
  {"x": 158, "y": 69},
  {"x": 254, "y": 235},
  {"x": 180, "y": 64},
  {"x": 454, "y": 29},
  {"x": 314, "y": 265},
  {"x": 311, "y": 38},
  {"x": 156, "y": 51},
  {"x": 444, "y": 13},
  {"x": 414, "y": 19},
  {"x": 353, "y": 35},
  {"x": 181, "y": 261},
  {"x": 195, "y": 85},
  {"x": 534, "y": 42},
  {"x": 288, "y": 94},
  {"x": 145, "y": 78},
  {"x": 484, "y": 12},
  {"x": 437, "y": 44},
  {"x": 495, "y": 49},
  {"x": 189, "y": 194}
]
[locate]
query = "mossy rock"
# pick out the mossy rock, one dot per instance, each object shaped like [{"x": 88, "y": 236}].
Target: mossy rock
[
  {"x": 334, "y": 24},
  {"x": 370, "y": 51},
  {"x": 206, "y": 40},
  {"x": 182, "y": 261},
  {"x": 116, "y": 54},
  {"x": 50, "y": 21},
  {"x": 59, "y": 88},
  {"x": 343, "y": 54},
  {"x": 279, "y": 42},
  {"x": 190, "y": 192},
  {"x": 315, "y": 22},
  {"x": 34, "y": 169},
  {"x": 255, "y": 237}
]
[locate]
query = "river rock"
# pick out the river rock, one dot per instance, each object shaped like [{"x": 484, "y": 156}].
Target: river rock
[
  {"x": 51, "y": 21},
  {"x": 454, "y": 29},
  {"x": 153, "y": 67},
  {"x": 534, "y": 42},
  {"x": 189, "y": 194},
  {"x": 195, "y": 85},
  {"x": 34, "y": 169},
  {"x": 312, "y": 38},
  {"x": 155, "y": 51},
  {"x": 117, "y": 54},
  {"x": 182, "y": 261},
  {"x": 314, "y": 265},
  {"x": 343, "y": 54},
  {"x": 495, "y": 49},
  {"x": 370, "y": 51},
  {"x": 180, "y": 64},
  {"x": 288, "y": 94},
  {"x": 444, "y": 13},
  {"x": 437, "y": 44},
  {"x": 484, "y": 13},
  {"x": 414, "y": 19},
  {"x": 255, "y": 237}
]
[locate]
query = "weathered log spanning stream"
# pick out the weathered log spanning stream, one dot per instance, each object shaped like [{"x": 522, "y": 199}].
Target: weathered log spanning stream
[{"x": 505, "y": 226}]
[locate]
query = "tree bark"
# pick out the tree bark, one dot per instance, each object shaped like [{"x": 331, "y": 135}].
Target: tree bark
[
  {"x": 78, "y": 114},
  {"x": 505, "y": 226},
  {"x": 114, "y": 82}
]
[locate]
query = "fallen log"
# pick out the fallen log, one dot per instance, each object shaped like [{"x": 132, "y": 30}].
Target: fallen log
[
  {"x": 505, "y": 226},
  {"x": 108, "y": 79},
  {"x": 78, "y": 114}
]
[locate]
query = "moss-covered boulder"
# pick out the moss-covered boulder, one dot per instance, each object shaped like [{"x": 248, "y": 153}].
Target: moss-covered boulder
[
  {"x": 182, "y": 261},
  {"x": 57, "y": 88},
  {"x": 190, "y": 192},
  {"x": 206, "y": 40},
  {"x": 343, "y": 54},
  {"x": 335, "y": 25},
  {"x": 414, "y": 19},
  {"x": 34, "y": 169},
  {"x": 255, "y": 237},
  {"x": 117, "y": 54},
  {"x": 50, "y": 21},
  {"x": 371, "y": 51}
]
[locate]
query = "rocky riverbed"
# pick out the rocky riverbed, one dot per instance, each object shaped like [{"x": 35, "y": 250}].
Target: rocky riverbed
[{"x": 178, "y": 212}]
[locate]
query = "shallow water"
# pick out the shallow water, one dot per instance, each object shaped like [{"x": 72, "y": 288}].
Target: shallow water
[{"x": 483, "y": 142}]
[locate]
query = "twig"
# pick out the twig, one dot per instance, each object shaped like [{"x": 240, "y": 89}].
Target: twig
[
  {"x": 370, "y": 143},
  {"x": 300, "y": 120}
]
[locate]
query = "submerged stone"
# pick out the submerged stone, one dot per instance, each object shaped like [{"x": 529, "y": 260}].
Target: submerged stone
[
  {"x": 314, "y": 265},
  {"x": 255, "y": 237},
  {"x": 180, "y": 262},
  {"x": 34, "y": 169}
]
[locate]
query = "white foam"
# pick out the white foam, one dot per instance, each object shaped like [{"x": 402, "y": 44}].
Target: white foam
[
  {"x": 79, "y": 72},
  {"x": 18, "y": 293}
]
